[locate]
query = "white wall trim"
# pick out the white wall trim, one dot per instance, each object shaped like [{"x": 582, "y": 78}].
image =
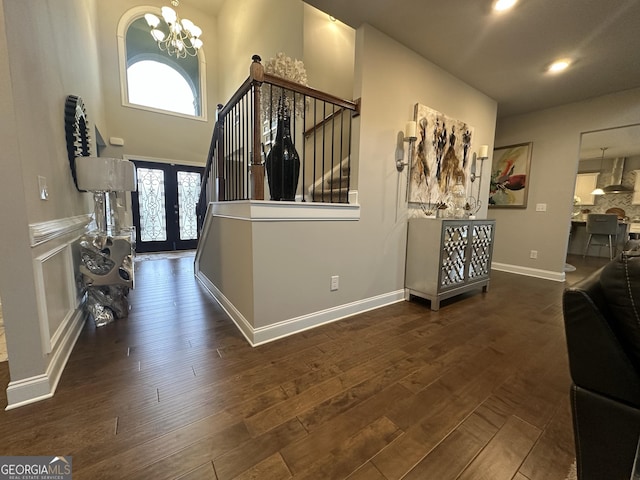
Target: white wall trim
[
  {"x": 270, "y": 333},
  {"x": 42, "y": 232},
  {"x": 204, "y": 233},
  {"x": 30, "y": 390},
  {"x": 329, "y": 315},
  {"x": 234, "y": 314},
  {"x": 50, "y": 339},
  {"x": 529, "y": 272},
  {"x": 268, "y": 211},
  {"x": 171, "y": 161}
]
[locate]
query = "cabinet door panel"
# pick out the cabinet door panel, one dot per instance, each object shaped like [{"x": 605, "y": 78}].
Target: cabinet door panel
[
  {"x": 454, "y": 254},
  {"x": 481, "y": 248}
]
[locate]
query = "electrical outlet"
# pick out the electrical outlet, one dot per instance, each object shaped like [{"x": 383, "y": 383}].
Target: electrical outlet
[
  {"x": 541, "y": 207},
  {"x": 335, "y": 283},
  {"x": 533, "y": 254}
]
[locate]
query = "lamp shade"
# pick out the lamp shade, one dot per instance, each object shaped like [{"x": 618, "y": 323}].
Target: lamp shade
[
  {"x": 127, "y": 177},
  {"x": 152, "y": 20},
  {"x": 169, "y": 14},
  {"x": 104, "y": 174}
]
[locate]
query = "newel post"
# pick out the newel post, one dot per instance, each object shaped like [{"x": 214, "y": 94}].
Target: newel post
[{"x": 256, "y": 73}]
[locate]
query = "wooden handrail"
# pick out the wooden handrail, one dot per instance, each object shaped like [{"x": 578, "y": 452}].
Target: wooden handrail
[
  {"x": 235, "y": 98},
  {"x": 257, "y": 77},
  {"x": 354, "y": 106},
  {"x": 212, "y": 147},
  {"x": 322, "y": 122}
]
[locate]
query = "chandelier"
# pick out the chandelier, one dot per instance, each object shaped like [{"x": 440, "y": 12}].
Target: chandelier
[{"x": 183, "y": 37}]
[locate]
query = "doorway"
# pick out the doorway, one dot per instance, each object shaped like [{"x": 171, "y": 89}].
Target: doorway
[{"x": 164, "y": 207}]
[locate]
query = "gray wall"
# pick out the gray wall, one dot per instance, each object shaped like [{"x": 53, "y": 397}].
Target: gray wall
[
  {"x": 47, "y": 51},
  {"x": 555, "y": 134},
  {"x": 388, "y": 100},
  {"x": 294, "y": 261}
]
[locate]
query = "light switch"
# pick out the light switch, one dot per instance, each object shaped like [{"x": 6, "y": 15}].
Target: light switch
[{"x": 42, "y": 188}]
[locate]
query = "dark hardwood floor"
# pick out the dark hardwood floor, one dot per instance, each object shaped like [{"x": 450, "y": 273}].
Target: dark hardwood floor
[{"x": 478, "y": 390}]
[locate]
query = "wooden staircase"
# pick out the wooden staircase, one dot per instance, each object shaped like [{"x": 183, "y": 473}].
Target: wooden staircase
[{"x": 333, "y": 186}]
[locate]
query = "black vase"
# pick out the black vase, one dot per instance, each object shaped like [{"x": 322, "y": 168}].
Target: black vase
[{"x": 283, "y": 163}]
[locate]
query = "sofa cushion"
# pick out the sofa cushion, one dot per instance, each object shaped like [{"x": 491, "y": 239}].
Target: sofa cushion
[{"x": 620, "y": 282}]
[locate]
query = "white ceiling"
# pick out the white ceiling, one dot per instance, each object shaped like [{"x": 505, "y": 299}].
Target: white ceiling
[{"x": 505, "y": 55}]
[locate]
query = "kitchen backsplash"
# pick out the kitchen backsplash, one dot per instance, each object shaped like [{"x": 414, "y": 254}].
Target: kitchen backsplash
[{"x": 617, "y": 200}]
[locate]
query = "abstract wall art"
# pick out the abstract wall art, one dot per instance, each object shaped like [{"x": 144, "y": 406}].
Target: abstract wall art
[
  {"x": 441, "y": 157},
  {"x": 510, "y": 176}
]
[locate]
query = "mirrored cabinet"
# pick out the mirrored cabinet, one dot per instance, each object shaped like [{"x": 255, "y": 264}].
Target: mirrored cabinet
[{"x": 447, "y": 257}]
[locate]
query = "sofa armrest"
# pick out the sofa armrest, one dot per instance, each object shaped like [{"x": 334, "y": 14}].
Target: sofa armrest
[{"x": 597, "y": 359}]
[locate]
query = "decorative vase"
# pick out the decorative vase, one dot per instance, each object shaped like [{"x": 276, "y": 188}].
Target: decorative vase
[
  {"x": 459, "y": 199},
  {"x": 283, "y": 163}
]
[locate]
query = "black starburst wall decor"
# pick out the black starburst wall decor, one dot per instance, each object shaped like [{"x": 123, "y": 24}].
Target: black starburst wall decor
[{"x": 77, "y": 132}]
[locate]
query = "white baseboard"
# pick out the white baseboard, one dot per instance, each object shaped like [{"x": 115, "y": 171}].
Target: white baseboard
[
  {"x": 529, "y": 272},
  {"x": 30, "y": 390},
  {"x": 261, "y": 335},
  {"x": 242, "y": 323}
]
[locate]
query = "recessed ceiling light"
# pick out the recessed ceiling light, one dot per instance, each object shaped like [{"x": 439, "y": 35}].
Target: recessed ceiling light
[
  {"x": 501, "y": 5},
  {"x": 332, "y": 18},
  {"x": 558, "y": 66}
]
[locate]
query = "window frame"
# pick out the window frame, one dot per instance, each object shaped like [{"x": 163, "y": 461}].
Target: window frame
[{"x": 123, "y": 25}]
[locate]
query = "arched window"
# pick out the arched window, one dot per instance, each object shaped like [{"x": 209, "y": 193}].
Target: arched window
[
  {"x": 148, "y": 82},
  {"x": 151, "y": 79}
]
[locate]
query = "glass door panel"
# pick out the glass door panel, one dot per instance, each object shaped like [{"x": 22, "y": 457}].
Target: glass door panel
[
  {"x": 153, "y": 212},
  {"x": 188, "y": 195},
  {"x": 164, "y": 207}
]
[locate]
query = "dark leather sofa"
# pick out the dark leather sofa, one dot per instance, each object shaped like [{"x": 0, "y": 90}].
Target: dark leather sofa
[{"x": 602, "y": 325}]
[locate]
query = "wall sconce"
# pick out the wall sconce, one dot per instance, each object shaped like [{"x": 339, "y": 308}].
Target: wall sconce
[
  {"x": 482, "y": 155},
  {"x": 409, "y": 136}
]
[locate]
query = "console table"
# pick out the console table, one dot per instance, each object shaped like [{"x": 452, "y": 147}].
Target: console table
[
  {"x": 107, "y": 273},
  {"x": 447, "y": 257}
]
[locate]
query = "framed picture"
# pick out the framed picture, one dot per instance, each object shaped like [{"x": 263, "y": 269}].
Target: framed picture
[{"x": 510, "y": 176}]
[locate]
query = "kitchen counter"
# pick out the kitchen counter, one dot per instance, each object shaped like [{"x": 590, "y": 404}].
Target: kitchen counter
[{"x": 578, "y": 238}]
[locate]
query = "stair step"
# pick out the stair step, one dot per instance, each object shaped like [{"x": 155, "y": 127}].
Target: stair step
[
  {"x": 336, "y": 182},
  {"x": 336, "y": 195}
]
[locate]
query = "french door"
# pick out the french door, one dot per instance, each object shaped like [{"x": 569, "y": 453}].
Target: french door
[{"x": 164, "y": 207}]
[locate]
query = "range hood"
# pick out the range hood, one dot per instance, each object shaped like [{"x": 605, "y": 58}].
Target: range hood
[{"x": 616, "y": 178}]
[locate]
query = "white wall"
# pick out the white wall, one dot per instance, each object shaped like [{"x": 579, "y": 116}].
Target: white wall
[
  {"x": 330, "y": 62},
  {"x": 555, "y": 134},
  {"x": 146, "y": 133},
  {"x": 250, "y": 27}
]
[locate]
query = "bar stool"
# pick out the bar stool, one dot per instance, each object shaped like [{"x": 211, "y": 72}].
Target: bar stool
[{"x": 601, "y": 225}]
